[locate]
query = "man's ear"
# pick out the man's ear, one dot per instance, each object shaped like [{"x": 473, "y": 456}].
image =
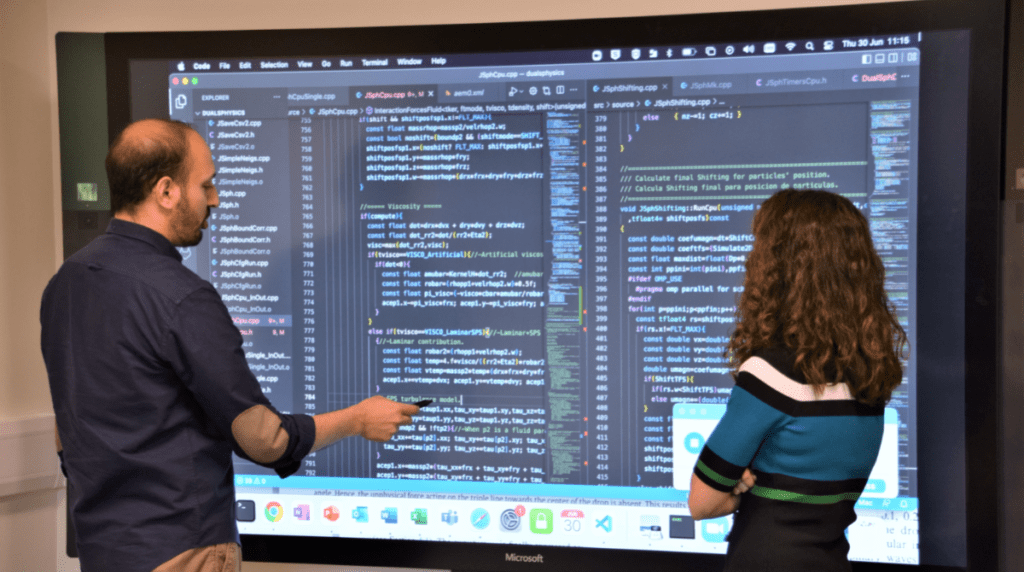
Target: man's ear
[{"x": 167, "y": 193}]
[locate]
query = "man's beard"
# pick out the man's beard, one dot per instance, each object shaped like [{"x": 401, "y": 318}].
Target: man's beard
[{"x": 186, "y": 226}]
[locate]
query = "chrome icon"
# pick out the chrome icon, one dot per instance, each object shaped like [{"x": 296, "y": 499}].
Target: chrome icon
[{"x": 274, "y": 511}]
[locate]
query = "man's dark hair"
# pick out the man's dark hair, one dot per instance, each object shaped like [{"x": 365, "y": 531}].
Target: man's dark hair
[{"x": 142, "y": 154}]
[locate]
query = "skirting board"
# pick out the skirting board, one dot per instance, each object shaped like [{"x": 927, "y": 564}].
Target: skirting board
[{"x": 29, "y": 458}]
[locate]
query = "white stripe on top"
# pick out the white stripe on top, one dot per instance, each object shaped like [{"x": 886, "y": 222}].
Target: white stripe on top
[{"x": 794, "y": 390}]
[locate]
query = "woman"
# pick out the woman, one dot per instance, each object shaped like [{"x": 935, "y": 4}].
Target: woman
[{"x": 816, "y": 355}]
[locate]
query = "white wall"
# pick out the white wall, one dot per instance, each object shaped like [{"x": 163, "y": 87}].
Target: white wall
[
  {"x": 31, "y": 525},
  {"x": 28, "y": 233}
]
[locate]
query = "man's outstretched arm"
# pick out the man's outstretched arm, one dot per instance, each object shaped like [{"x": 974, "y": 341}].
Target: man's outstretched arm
[{"x": 376, "y": 418}]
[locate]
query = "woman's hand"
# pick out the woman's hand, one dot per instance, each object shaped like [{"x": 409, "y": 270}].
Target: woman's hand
[
  {"x": 746, "y": 483},
  {"x": 706, "y": 502}
]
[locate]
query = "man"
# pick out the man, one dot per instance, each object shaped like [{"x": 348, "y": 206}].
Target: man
[{"x": 149, "y": 381}]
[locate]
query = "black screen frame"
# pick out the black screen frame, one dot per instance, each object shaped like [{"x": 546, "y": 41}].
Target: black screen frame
[
  {"x": 1011, "y": 399},
  {"x": 983, "y": 176}
]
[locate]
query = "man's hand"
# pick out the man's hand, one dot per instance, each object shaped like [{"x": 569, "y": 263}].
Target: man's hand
[
  {"x": 376, "y": 418},
  {"x": 379, "y": 417}
]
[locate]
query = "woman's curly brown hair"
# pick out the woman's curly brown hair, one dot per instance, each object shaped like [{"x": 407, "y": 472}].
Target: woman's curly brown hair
[{"x": 816, "y": 286}]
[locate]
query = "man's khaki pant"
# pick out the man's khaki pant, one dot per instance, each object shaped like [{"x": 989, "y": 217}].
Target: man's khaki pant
[{"x": 217, "y": 558}]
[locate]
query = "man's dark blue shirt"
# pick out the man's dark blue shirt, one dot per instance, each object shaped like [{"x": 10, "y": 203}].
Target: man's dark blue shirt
[{"x": 147, "y": 374}]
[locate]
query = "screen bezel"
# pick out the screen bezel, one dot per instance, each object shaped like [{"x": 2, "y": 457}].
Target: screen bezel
[
  {"x": 1011, "y": 399},
  {"x": 986, "y": 22}
]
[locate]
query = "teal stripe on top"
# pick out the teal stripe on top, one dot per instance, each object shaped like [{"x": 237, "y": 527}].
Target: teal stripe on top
[
  {"x": 747, "y": 421},
  {"x": 822, "y": 448}
]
